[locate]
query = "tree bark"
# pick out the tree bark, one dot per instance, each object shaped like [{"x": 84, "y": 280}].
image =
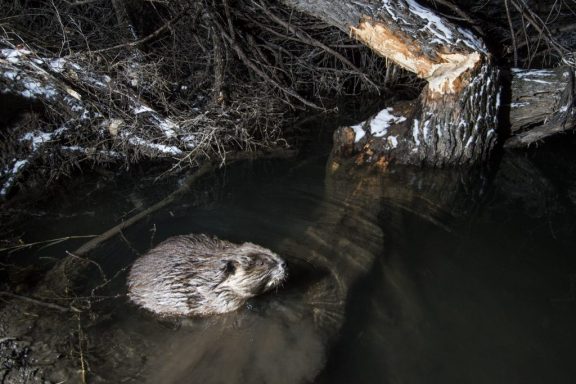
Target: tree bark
[
  {"x": 454, "y": 120},
  {"x": 542, "y": 104}
]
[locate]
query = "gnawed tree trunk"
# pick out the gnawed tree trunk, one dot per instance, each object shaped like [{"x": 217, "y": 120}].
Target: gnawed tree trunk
[{"x": 454, "y": 120}]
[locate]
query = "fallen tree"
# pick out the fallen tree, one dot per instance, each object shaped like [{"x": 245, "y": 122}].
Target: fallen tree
[
  {"x": 454, "y": 121},
  {"x": 118, "y": 82},
  {"x": 186, "y": 81}
]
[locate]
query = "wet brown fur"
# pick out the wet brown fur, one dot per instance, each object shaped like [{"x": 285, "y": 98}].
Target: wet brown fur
[{"x": 198, "y": 275}]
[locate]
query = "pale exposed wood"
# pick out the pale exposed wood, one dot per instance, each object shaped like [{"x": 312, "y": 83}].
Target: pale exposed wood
[
  {"x": 454, "y": 121},
  {"x": 443, "y": 71}
]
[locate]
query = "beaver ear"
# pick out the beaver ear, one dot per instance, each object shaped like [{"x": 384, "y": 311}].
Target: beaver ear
[{"x": 229, "y": 267}]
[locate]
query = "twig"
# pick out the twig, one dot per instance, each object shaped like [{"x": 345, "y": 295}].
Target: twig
[
  {"x": 100, "y": 270},
  {"x": 512, "y": 33},
  {"x": 263, "y": 75},
  {"x": 48, "y": 243},
  {"x": 307, "y": 39},
  {"x": 145, "y": 39},
  {"x": 37, "y": 302},
  {"x": 81, "y": 351},
  {"x": 539, "y": 25},
  {"x": 244, "y": 58},
  {"x": 92, "y": 244}
]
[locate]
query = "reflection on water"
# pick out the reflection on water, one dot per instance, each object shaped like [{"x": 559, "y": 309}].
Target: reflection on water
[
  {"x": 411, "y": 277},
  {"x": 490, "y": 301}
]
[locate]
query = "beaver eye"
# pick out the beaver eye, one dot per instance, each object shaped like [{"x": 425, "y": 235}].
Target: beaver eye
[
  {"x": 259, "y": 262},
  {"x": 229, "y": 267}
]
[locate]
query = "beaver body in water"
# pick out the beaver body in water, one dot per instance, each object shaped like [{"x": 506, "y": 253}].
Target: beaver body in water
[{"x": 198, "y": 275}]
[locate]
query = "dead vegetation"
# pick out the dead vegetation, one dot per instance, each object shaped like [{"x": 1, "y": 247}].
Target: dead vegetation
[
  {"x": 115, "y": 82},
  {"x": 119, "y": 81},
  {"x": 524, "y": 33}
]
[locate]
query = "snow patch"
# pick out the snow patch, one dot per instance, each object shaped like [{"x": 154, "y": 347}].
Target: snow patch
[
  {"x": 57, "y": 65},
  {"x": 142, "y": 109},
  {"x": 416, "y": 132},
  {"x": 523, "y": 73},
  {"x": 172, "y": 150},
  {"x": 540, "y": 81},
  {"x": 382, "y": 121},
  {"x": 13, "y": 55},
  {"x": 359, "y": 132},
  {"x": 379, "y": 124},
  {"x": 10, "y": 75},
  {"x": 168, "y": 127},
  {"x": 426, "y": 129},
  {"x": 37, "y": 138},
  {"x": 436, "y": 25},
  {"x": 35, "y": 88},
  {"x": 190, "y": 141}
]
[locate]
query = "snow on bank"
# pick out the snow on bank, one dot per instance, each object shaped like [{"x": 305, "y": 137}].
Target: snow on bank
[
  {"x": 51, "y": 81},
  {"x": 359, "y": 131},
  {"x": 38, "y": 138},
  {"x": 542, "y": 76},
  {"x": 167, "y": 149},
  {"x": 36, "y": 77}
]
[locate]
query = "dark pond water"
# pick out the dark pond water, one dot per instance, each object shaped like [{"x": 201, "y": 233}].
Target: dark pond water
[{"x": 435, "y": 277}]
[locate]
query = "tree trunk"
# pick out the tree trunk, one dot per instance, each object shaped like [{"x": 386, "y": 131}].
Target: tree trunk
[{"x": 454, "y": 120}]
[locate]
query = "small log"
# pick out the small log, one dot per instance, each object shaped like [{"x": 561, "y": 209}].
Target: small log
[{"x": 542, "y": 104}]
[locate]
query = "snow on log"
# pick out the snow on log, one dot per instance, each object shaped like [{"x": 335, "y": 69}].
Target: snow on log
[
  {"x": 96, "y": 115},
  {"x": 542, "y": 104},
  {"x": 405, "y": 32},
  {"x": 423, "y": 43},
  {"x": 454, "y": 120}
]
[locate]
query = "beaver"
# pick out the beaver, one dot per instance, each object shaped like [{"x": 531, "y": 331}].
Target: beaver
[{"x": 199, "y": 275}]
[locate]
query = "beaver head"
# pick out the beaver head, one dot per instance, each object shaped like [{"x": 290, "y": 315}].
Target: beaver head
[{"x": 251, "y": 269}]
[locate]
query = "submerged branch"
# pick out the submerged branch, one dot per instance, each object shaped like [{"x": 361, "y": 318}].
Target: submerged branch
[
  {"x": 70, "y": 266},
  {"x": 38, "y": 302},
  {"x": 44, "y": 243}
]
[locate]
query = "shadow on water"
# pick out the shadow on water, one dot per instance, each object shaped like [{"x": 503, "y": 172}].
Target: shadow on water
[
  {"x": 409, "y": 277},
  {"x": 334, "y": 232},
  {"x": 492, "y": 300}
]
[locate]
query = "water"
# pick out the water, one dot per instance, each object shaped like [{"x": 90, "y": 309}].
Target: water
[{"x": 411, "y": 277}]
